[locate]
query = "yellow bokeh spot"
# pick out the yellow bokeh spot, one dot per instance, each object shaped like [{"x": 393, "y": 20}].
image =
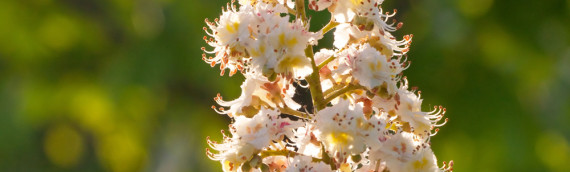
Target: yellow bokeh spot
[
  {"x": 93, "y": 108},
  {"x": 497, "y": 45},
  {"x": 122, "y": 152},
  {"x": 58, "y": 32},
  {"x": 339, "y": 138},
  {"x": 63, "y": 146},
  {"x": 553, "y": 150}
]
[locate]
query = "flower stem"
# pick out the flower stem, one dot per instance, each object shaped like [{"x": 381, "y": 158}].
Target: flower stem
[
  {"x": 332, "y": 24},
  {"x": 327, "y": 61},
  {"x": 300, "y": 7},
  {"x": 341, "y": 91},
  {"x": 292, "y": 11},
  {"x": 283, "y": 152},
  {"x": 315, "y": 82},
  {"x": 313, "y": 79},
  {"x": 288, "y": 110},
  {"x": 332, "y": 89}
]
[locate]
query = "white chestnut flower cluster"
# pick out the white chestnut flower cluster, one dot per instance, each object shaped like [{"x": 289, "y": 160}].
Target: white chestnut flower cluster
[{"x": 364, "y": 116}]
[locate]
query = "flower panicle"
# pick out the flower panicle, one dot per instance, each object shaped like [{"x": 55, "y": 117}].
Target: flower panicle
[{"x": 364, "y": 115}]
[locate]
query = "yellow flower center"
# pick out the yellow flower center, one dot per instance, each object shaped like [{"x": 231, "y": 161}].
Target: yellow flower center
[
  {"x": 233, "y": 27},
  {"x": 418, "y": 165},
  {"x": 290, "y": 62},
  {"x": 356, "y": 2},
  {"x": 255, "y": 53},
  {"x": 339, "y": 138},
  {"x": 375, "y": 66},
  {"x": 288, "y": 43}
]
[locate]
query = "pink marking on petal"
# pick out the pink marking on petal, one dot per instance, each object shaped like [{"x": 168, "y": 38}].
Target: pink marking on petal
[{"x": 283, "y": 124}]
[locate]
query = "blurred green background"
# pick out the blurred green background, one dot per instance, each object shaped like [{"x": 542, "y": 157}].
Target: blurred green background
[{"x": 119, "y": 85}]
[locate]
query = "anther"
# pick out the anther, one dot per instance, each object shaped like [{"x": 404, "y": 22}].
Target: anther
[{"x": 399, "y": 25}]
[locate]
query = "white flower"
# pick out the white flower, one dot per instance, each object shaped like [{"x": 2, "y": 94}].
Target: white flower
[
  {"x": 346, "y": 34},
  {"x": 404, "y": 152},
  {"x": 291, "y": 37},
  {"x": 306, "y": 142},
  {"x": 338, "y": 127},
  {"x": 249, "y": 135},
  {"x": 254, "y": 131},
  {"x": 423, "y": 160},
  {"x": 343, "y": 10},
  {"x": 374, "y": 130},
  {"x": 388, "y": 105},
  {"x": 267, "y": 19},
  {"x": 258, "y": 91},
  {"x": 232, "y": 28},
  {"x": 280, "y": 127},
  {"x": 231, "y": 37},
  {"x": 370, "y": 68},
  {"x": 398, "y": 148},
  {"x": 263, "y": 58},
  {"x": 295, "y": 64},
  {"x": 346, "y": 10},
  {"x": 289, "y": 42},
  {"x": 409, "y": 110},
  {"x": 267, "y": 126},
  {"x": 366, "y": 14}
]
